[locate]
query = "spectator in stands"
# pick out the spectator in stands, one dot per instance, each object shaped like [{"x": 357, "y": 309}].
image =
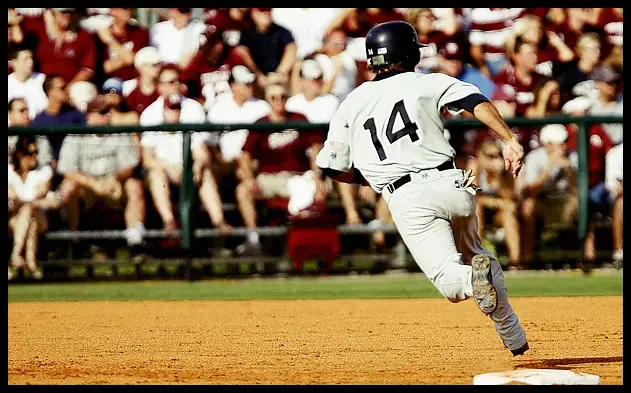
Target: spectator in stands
[
  {"x": 118, "y": 44},
  {"x": 521, "y": 75},
  {"x": 142, "y": 91},
  {"x": 16, "y": 34},
  {"x": 547, "y": 99},
  {"x": 178, "y": 38},
  {"x": 490, "y": 28},
  {"x": 356, "y": 22},
  {"x": 24, "y": 83},
  {"x": 240, "y": 107},
  {"x": 97, "y": 168},
  {"x": 599, "y": 145},
  {"x": 547, "y": 186},
  {"x": 230, "y": 21},
  {"x": 267, "y": 47},
  {"x": 163, "y": 157},
  {"x": 282, "y": 156},
  {"x": 574, "y": 26},
  {"x": 575, "y": 81},
  {"x": 445, "y": 52},
  {"x": 58, "y": 113},
  {"x": 497, "y": 200},
  {"x": 613, "y": 182},
  {"x": 551, "y": 49},
  {"x": 611, "y": 22},
  {"x": 29, "y": 196},
  {"x": 308, "y": 26},
  {"x": 19, "y": 117},
  {"x": 120, "y": 113},
  {"x": 604, "y": 103},
  {"x": 338, "y": 66},
  {"x": 63, "y": 47},
  {"x": 207, "y": 74},
  {"x": 310, "y": 99}
]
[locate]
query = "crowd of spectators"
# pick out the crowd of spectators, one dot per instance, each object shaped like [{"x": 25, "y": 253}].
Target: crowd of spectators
[{"x": 100, "y": 66}]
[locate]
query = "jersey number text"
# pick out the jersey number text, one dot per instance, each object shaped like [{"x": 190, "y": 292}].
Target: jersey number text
[{"x": 409, "y": 128}]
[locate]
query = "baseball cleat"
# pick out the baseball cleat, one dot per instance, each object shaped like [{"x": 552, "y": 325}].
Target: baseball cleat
[
  {"x": 484, "y": 292},
  {"x": 521, "y": 350}
]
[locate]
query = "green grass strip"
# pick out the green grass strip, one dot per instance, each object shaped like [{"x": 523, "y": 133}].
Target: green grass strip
[{"x": 338, "y": 287}]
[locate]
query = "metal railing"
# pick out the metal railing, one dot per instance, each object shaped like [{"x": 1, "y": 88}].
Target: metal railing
[{"x": 187, "y": 191}]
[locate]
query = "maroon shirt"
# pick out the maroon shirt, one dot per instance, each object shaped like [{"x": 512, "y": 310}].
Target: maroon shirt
[
  {"x": 599, "y": 146},
  {"x": 138, "y": 102},
  {"x": 208, "y": 79},
  {"x": 366, "y": 20},
  {"x": 66, "y": 59},
  {"x": 449, "y": 46},
  {"x": 524, "y": 95},
  {"x": 134, "y": 38},
  {"x": 231, "y": 28},
  {"x": 284, "y": 150}
]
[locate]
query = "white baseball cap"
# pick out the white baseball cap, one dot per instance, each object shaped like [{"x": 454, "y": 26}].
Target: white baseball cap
[
  {"x": 553, "y": 134},
  {"x": 242, "y": 74},
  {"x": 146, "y": 55},
  {"x": 578, "y": 104},
  {"x": 81, "y": 93},
  {"x": 311, "y": 70}
]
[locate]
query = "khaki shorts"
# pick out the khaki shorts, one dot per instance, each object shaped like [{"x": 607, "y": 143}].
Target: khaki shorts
[
  {"x": 553, "y": 210},
  {"x": 274, "y": 184},
  {"x": 90, "y": 199}
]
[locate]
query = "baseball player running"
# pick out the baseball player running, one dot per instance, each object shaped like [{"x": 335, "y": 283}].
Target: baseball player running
[{"x": 388, "y": 134}]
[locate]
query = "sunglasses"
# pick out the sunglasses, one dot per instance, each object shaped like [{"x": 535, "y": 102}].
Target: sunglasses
[
  {"x": 277, "y": 97},
  {"x": 30, "y": 153}
]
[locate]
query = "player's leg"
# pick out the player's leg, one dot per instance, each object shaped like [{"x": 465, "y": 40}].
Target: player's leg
[
  {"x": 423, "y": 223},
  {"x": 506, "y": 321}
]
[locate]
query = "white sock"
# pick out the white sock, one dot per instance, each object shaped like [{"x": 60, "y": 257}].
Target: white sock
[{"x": 253, "y": 237}]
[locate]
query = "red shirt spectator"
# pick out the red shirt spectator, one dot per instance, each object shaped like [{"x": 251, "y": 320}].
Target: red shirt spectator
[
  {"x": 282, "y": 150},
  {"x": 362, "y": 20},
  {"x": 599, "y": 146},
  {"x": 208, "y": 72},
  {"x": 66, "y": 54},
  {"x": 610, "y": 20},
  {"x": 231, "y": 21},
  {"x": 491, "y": 26},
  {"x": 521, "y": 76},
  {"x": 129, "y": 35},
  {"x": 137, "y": 101}
]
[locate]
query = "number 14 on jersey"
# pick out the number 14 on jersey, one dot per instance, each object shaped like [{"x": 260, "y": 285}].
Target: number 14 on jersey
[{"x": 409, "y": 128}]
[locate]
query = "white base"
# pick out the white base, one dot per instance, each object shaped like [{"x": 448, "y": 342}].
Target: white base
[{"x": 536, "y": 377}]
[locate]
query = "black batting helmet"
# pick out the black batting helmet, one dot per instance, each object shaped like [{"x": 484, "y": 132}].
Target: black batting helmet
[{"x": 393, "y": 43}]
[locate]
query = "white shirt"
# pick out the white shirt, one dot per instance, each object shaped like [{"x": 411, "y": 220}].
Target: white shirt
[
  {"x": 388, "y": 128},
  {"x": 173, "y": 43},
  {"x": 318, "y": 110},
  {"x": 346, "y": 80},
  {"x": 31, "y": 90},
  {"x": 192, "y": 113},
  {"x": 167, "y": 146},
  {"x": 613, "y": 109},
  {"x": 27, "y": 190},
  {"x": 306, "y": 25},
  {"x": 613, "y": 168},
  {"x": 227, "y": 111}
]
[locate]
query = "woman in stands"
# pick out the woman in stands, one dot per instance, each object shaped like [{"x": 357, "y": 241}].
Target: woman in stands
[{"x": 29, "y": 195}]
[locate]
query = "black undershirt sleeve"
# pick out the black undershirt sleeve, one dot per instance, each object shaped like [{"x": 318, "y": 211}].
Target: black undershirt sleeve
[{"x": 469, "y": 102}]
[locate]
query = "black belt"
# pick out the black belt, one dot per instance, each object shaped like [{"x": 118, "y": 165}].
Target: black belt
[{"x": 407, "y": 178}]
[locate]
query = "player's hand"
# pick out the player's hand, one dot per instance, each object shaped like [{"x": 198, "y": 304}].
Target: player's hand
[{"x": 513, "y": 156}]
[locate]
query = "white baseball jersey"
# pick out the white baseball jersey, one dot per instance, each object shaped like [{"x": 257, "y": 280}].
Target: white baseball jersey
[{"x": 388, "y": 128}]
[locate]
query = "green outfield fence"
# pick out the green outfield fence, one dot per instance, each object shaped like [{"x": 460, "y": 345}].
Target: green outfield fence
[{"x": 188, "y": 233}]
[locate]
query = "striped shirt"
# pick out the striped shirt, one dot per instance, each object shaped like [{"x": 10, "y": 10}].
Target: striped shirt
[{"x": 490, "y": 27}]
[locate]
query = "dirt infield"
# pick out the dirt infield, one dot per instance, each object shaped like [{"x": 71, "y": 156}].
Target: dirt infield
[{"x": 407, "y": 341}]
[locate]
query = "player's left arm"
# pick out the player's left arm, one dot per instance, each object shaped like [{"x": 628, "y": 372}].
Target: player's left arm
[{"x": 334, "y": 159}]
